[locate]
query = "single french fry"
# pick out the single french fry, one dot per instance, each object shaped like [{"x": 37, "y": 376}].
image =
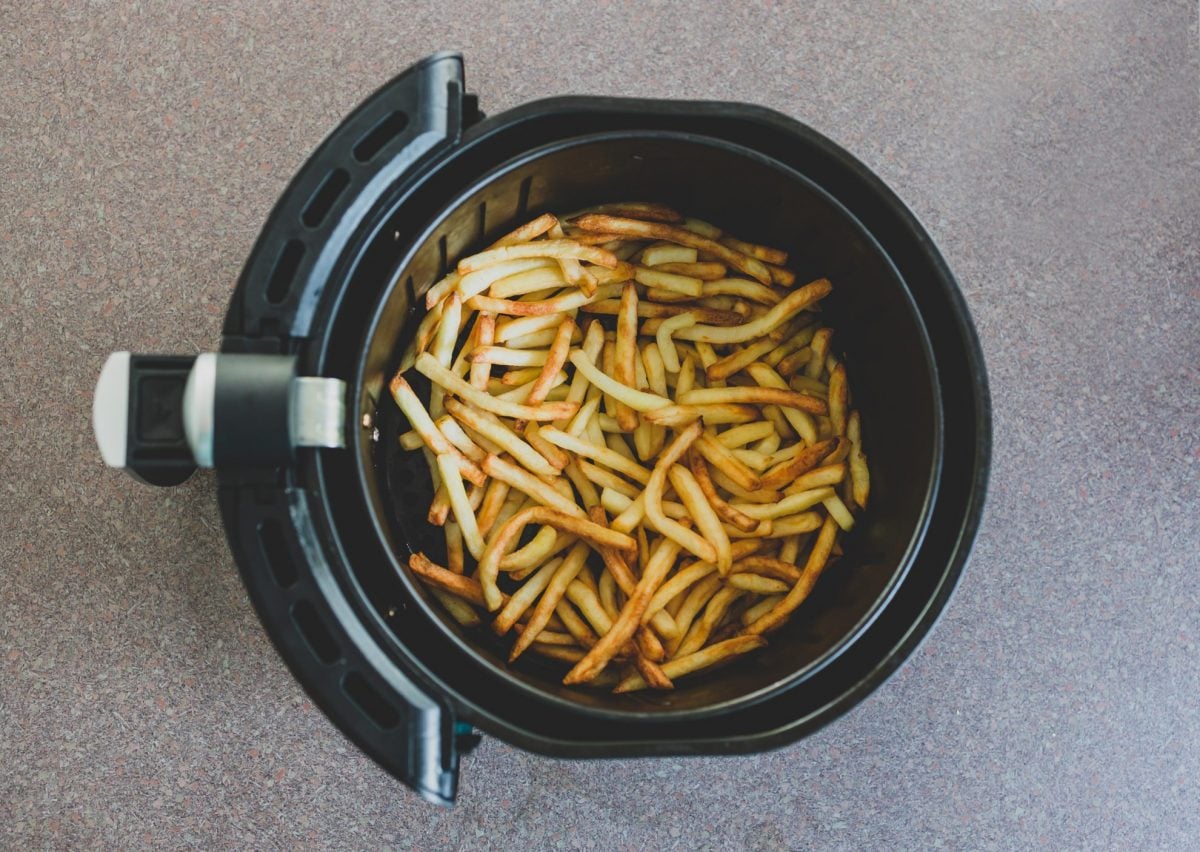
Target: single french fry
[
  {"x": 625, "y": 353},
  {"x": 735, "y": 362},
  {"x": 666, "y": 346},
  {"x": 661, "y": 253},
  {"x": 635, "y": 399},
  {"x": 684, "y": 579},
  {"x": 838, "y": 511},
  {"x": 441, "y": 578},
  {"x": 541, "y": 547},
  {"x": 493, "y": 502},
  {"x": 788, "y": 505},
  {"x": 763, "y": 253},
  {"x": 743, "y": 289},
  {"x": 560, "y": 304},
  {"x": 555, "y": 359},
  {"x": 838, "y": 399},
  {"x": 755, "y": 396},
  {"x": 860, "y": 482},
  {"x": 685, "y": 537},
  {"x": 682, "y": 284},
  {"x": 747, "y": 433},
  {"x": 821, "y": 342},
  {"x": 454, "y": 546},
  {"x": 757, "y": 583},
  {"x": 802, "y": 522},
  {"x": 529, "y": 231},
  {"x": 602, "y": 455},
  {"x": 607, "y": 592},
  {"x": 555, "y": 457},
  {"x": 830, "y": 474},
  {"x": 678, "y": 416},
  {"x": 705, "y": 271},
  {"x": 656, "y": 313},
  {"x": 653, "y": 211}
]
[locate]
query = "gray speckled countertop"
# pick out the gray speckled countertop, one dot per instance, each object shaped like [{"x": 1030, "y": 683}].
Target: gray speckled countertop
[{"x": 1050, "y": 146}]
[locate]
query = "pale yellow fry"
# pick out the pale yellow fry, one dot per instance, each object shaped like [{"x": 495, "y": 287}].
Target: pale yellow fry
[
  {"x": 838, "y": 511},
  {"x": 562, "y": 303},
  {"x": 789, "y": 505},
  {"x": 505, "y": 357},
  {"x": 536, "y": 275},
  {"x": 603, "y": 455},
  {"x": 757, "y": 583},
  {"x": 540, "y": 248},
  {"x": 666, "y": 345},
  {"x": 682, "y": 284},
  {"x": 668, "y": 253},
  {"x": 523, "y": 326},
  {"x": 589, "y": 605},
  {"x": 428, "y": 366},
  {"x": 540, "y": 548},
  {"x": 737, "y": 361},
  {"x": 411, "y": 440},
  {"x": 760, "y": 609},
  {"x": 459, "y": 504},
  {"x": 804, "y": 522},
  {"x": 480, "y": 280},
  {"x": 703, "y": 515},
  {"x": 443, "y": 347},
  {"x": 747, "y": 433},
  {"x": 483, "y": 335},
  {"x": 786, "y": 308},
  {"x": 521, "y": 394}
]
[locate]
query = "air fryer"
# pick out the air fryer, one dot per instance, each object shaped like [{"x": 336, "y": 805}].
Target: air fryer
[{"x": 322, "y": 507}]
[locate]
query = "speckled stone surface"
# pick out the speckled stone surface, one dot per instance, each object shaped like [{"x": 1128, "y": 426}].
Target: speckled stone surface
[{"x": 1050, "y": 146}]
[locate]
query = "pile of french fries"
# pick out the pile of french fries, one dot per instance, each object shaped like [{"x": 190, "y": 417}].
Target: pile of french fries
[{"x": 641, "y": 442}]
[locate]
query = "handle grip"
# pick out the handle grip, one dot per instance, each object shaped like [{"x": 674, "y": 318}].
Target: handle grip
[{"x": 160, "y": 417}]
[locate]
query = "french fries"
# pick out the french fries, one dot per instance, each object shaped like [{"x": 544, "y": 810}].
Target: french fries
[{"x": 695, "y": 432}]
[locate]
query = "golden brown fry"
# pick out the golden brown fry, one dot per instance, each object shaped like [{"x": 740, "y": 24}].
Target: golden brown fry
[
  {"x": 485, "y": 332},
  {"x": 522, "y": 599},
  {"x": 736, "y": 361},
  {"x": 538, "y": 489},
  {"x": 441, "y": 578},
  {"x": 552, "y": 454},
  {"x": 763, "y": 253},
  {"x": 652, "y": 230},
  {"x": 830, "y": 474},
  {"x": 821, "y": 342},
  {"x": 703, "y": 271},
  {"x": 740, "y": 287},
  {"x": 768, "y": 566},
  {"x": 755, "y": 396},
  {"x": 651, "y": 210},
  {"x": 559, "y": 304},
  {"x": 838, "y": 399},
  {"x": 606, "y": 590},
  {"x": 817, "y": 559},
  {"x": 493, "y": 501},
  {"x": 454, "y": 546},
  {"x": 678, "y": 416},
  {"x": 793, "y": 362},
  {"x": 529, "y": 231}
]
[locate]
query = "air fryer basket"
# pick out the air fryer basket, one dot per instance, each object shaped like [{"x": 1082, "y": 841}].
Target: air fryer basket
[{"x": 878, "y": 331}]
